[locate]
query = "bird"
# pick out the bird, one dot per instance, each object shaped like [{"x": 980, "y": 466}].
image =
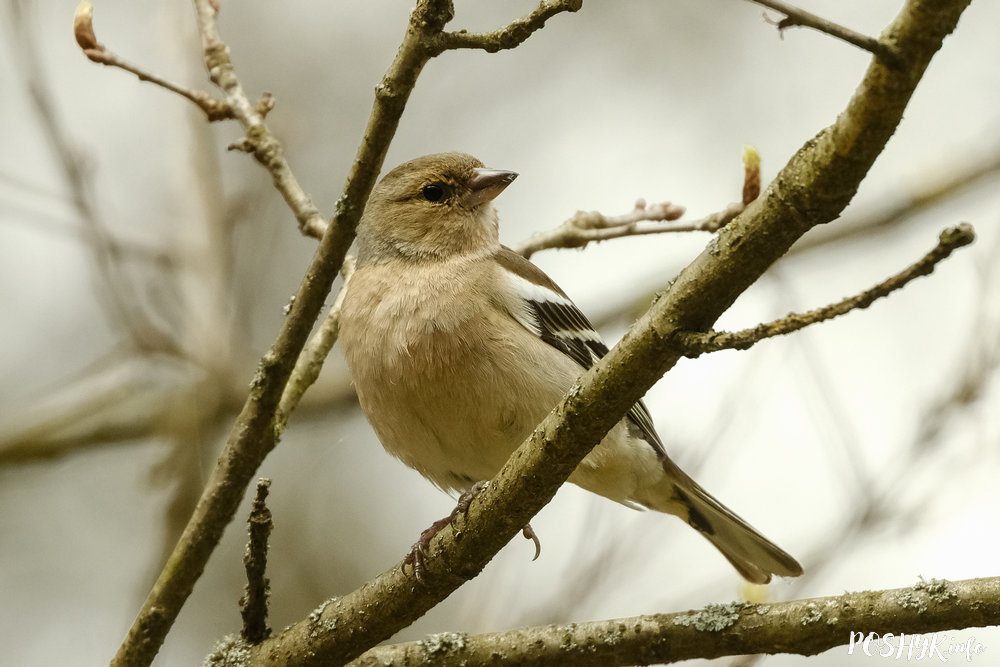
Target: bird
[{"x": 459, "y": 347}]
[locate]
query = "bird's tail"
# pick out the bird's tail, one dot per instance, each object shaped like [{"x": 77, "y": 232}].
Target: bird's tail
[{"x": 754, "y": 556}]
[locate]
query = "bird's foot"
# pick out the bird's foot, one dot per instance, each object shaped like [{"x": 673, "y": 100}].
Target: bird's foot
[
  {"x": 415, "y": 558},
  {"x": 418, "y": 551}
]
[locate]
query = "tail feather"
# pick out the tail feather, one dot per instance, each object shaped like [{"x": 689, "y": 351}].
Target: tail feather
[{"x": 754, "y": 556}]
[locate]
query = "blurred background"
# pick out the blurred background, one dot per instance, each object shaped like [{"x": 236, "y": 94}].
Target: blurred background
[{"x": 143, "y": 270}]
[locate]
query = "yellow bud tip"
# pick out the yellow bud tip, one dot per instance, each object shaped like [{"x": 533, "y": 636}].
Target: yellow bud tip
[
  {"x": 751, "y": 158},
  {"x": 755, "y": 593},
  {"x": 83, "y": 27}
]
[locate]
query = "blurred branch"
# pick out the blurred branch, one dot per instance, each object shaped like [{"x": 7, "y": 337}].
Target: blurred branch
[
  {"x": 798, "y": 627},
  {"x": 118, "y": 294},
  {"x": 947, "y": 180},
  {"x": 696, "y": 343},
  {"x": 799, "y": 17},
  {"x": 812, "y": 189},
  {"x": 83, "y": 30},
  {"x": 257, "y": 428}
]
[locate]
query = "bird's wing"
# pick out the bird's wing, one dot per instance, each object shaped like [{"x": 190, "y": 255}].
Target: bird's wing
[{"x": 555, "y": 319}]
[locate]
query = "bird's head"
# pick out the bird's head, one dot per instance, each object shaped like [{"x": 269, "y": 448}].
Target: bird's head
[{"x": 432, "y": 207}]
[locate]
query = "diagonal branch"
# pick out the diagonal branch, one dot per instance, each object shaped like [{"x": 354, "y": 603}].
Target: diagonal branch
[
  {"x": 944, "y": 181},
  {"x": 696, "y": 343},
  {"x": 800, "y": 627}
]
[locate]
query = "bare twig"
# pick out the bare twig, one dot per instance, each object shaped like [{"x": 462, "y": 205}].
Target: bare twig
[
  {"x": 585, "y": 227},
  {"x": 948, "y": 180},
  {"x": 83, "y": 30},
  {"x": 798, "y": 627},
  {"x": 253, "y": 604},
  {"x": 259, "y": 141},
  {"x": 214, "y": 109},
  {"x": 713, "y": 341},
  {"x": 590, "y": 226},
  {"x": 510, "y": 36},
  {"x": 799, "y": 17}
]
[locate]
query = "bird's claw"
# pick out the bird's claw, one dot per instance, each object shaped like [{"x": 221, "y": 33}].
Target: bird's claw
[
  {"x": 529, "y": 533},
  {"x": 415, "y": 558}
]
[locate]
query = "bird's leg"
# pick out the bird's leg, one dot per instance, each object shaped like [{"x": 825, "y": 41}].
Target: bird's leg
[{"x": 415, "y": 558}]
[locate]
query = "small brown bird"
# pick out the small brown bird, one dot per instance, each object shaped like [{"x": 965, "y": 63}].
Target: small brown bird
[{"x": 459, "y": 347}]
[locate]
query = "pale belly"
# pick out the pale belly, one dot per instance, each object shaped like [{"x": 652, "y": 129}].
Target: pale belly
[{"x": 453, "y": 394}]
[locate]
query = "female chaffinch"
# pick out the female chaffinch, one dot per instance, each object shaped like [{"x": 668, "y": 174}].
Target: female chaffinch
[{"x": 459, "y": 347}]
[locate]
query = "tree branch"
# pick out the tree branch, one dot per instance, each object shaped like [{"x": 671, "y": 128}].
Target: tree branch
[
  {"x": 799, "y": 17},
  {"x": 696, "y": 343},
  {"x": 812, "y": 189},
  {"x": 800, "y": 627}
]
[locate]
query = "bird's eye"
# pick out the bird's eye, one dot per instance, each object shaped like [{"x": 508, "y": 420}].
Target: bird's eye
[{"x": 434, "y": 193}]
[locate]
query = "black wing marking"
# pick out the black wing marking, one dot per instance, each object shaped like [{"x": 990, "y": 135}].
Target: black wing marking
[{"x": 557, "y": 321}]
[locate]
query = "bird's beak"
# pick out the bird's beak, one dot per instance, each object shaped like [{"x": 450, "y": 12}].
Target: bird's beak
[{"x": 487, "y": 184}]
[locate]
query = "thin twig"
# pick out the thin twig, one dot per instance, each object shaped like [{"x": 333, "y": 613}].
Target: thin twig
[
  {"x": 214, "y": 109},
  {"x": 800, "y": 17},
  {"x": 83, "y": 30},
  {"x": 121, "y": 302},
  {"x": 590, "y": 226},
  {"x": 253, "y": 604},
  {"x": 585, "y": 227},
  {"x": 259, "y": 141},
  {"x": 696, "y": 344},
  {"x": 510, "y": 36}
]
